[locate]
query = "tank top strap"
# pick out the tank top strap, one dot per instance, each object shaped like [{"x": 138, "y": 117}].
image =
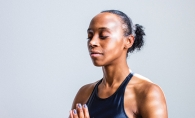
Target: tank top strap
[
  {"x": 126, "y": 81},
  {"x": 114, "y": 104},
  {"x": 93, "y": 93},
  {"x": 120, "y": 90}
]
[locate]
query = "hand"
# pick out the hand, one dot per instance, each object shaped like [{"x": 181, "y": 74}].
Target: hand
[{"x": 79, "y": 112}]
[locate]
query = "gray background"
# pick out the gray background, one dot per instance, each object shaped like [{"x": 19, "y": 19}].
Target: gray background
[{"x": 44, "y": 58}]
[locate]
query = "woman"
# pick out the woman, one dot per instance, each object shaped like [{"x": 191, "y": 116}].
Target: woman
[{"x": 120, "y": 93}]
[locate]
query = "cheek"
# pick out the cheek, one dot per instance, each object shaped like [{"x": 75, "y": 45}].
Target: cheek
[
  {"x": 114, "y": 46},
  {"x": 116, "y": 42}
]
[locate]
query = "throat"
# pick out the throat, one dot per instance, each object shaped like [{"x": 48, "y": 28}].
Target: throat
[{"x": 104, "y": 93}]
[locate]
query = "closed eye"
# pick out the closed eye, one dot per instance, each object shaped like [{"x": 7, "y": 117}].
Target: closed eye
[
  {"x": 89, "y": 38},
  {"x": 103, "y": 37}
]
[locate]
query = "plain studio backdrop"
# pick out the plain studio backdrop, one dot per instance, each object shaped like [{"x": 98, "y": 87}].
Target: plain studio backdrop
[{"x": 44, "y": 58}]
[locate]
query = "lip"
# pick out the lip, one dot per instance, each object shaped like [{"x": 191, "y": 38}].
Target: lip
[{"x": 95, "y": 53}]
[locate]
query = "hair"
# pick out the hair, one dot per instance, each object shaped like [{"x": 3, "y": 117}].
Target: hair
[{"x": 130, "y": 29}]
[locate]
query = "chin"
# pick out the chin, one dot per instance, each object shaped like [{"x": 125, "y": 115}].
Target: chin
[{"x": 98, "y": 64}]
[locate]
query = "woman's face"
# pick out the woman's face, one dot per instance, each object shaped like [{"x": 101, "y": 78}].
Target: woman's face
[{"x": 106, "y": 39}]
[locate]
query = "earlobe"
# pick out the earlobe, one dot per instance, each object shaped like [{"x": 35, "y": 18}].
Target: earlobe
[{"x": 129, "y": 41}]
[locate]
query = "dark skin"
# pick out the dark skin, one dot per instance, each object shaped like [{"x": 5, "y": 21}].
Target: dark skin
[{"x": 108, "y": 47}]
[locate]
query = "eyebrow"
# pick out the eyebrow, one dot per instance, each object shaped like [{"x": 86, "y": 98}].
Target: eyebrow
[
  {"x": 101, "y": 28},
  {"x": 88, "y": 30}
]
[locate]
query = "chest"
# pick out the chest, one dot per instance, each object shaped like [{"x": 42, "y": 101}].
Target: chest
[{"x": 120, "y": 104}]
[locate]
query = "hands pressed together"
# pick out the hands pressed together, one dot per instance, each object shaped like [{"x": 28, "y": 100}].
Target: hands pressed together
[{"x": 81, "y": 111}]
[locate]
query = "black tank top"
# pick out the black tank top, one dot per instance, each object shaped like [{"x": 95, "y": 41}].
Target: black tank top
[{"x": 111, "y": 107}]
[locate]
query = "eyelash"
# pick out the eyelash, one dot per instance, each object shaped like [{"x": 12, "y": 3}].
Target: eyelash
[
  {"x": 88, "y": 38},
  {"x": 101, "y": 37}
]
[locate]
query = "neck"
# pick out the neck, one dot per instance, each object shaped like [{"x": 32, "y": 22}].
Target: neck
[{"x": 116, "y": 73}]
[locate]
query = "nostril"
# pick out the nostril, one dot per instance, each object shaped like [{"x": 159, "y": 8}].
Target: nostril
[{"x": 93, "y": 44}]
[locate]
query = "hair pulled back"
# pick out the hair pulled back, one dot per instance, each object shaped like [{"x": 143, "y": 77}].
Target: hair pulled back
[{"x": 130, "y": 29}]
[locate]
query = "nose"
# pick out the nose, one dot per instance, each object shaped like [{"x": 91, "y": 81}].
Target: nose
[{"x": 94, "y": 42}]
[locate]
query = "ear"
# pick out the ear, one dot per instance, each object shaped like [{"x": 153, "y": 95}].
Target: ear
[{"x": 129, "y": 41}]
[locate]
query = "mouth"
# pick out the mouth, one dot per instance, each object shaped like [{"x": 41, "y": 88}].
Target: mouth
[{"x": 95, "y": 53}]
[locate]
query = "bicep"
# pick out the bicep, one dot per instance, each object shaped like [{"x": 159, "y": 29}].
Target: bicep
[
  {"x": 154, "y": 104},
  {"x": 75, "y": 101},
  {"x": 82, "y": 95},
  {"x": 78, "y": 98}
]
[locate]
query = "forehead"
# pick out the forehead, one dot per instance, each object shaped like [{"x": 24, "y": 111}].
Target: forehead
[{"x": 106, "y": 20}]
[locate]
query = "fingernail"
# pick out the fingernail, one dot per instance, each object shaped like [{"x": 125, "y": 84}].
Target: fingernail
[
  {"x": 74, "y": 111},
  {"x": 85, "y": 106},
  {"x": 79, "y": 105}
]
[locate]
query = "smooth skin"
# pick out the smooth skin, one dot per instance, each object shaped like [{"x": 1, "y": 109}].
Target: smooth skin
[{"x": 108, "y": 47}]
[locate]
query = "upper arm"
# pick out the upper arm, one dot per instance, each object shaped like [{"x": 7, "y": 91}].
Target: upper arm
[
  {"x": 83, "y": 95},
  {"x": 154, "y": 104}
]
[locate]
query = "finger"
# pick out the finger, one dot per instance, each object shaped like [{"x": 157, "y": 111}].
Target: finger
[
  {"x": 80, "y": 110},
  {"x": 85, "y": 111},
  {"x": 71, "y": 115},
  {"x": 74, "y": 113}
]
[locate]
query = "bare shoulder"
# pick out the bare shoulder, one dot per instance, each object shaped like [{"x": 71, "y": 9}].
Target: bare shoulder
[
  {"x": 140, "y": 79},
  {"x": 150, "y": 97},
  {"x": 145, "y": 87},
  {"x": 83, "y": 94}
]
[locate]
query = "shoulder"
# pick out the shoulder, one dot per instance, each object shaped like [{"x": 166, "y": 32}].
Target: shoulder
[
  {"x": 150, "y": 97},
  {"x": 83, "y": 94},
  {"x": 145, "y": 88}
]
